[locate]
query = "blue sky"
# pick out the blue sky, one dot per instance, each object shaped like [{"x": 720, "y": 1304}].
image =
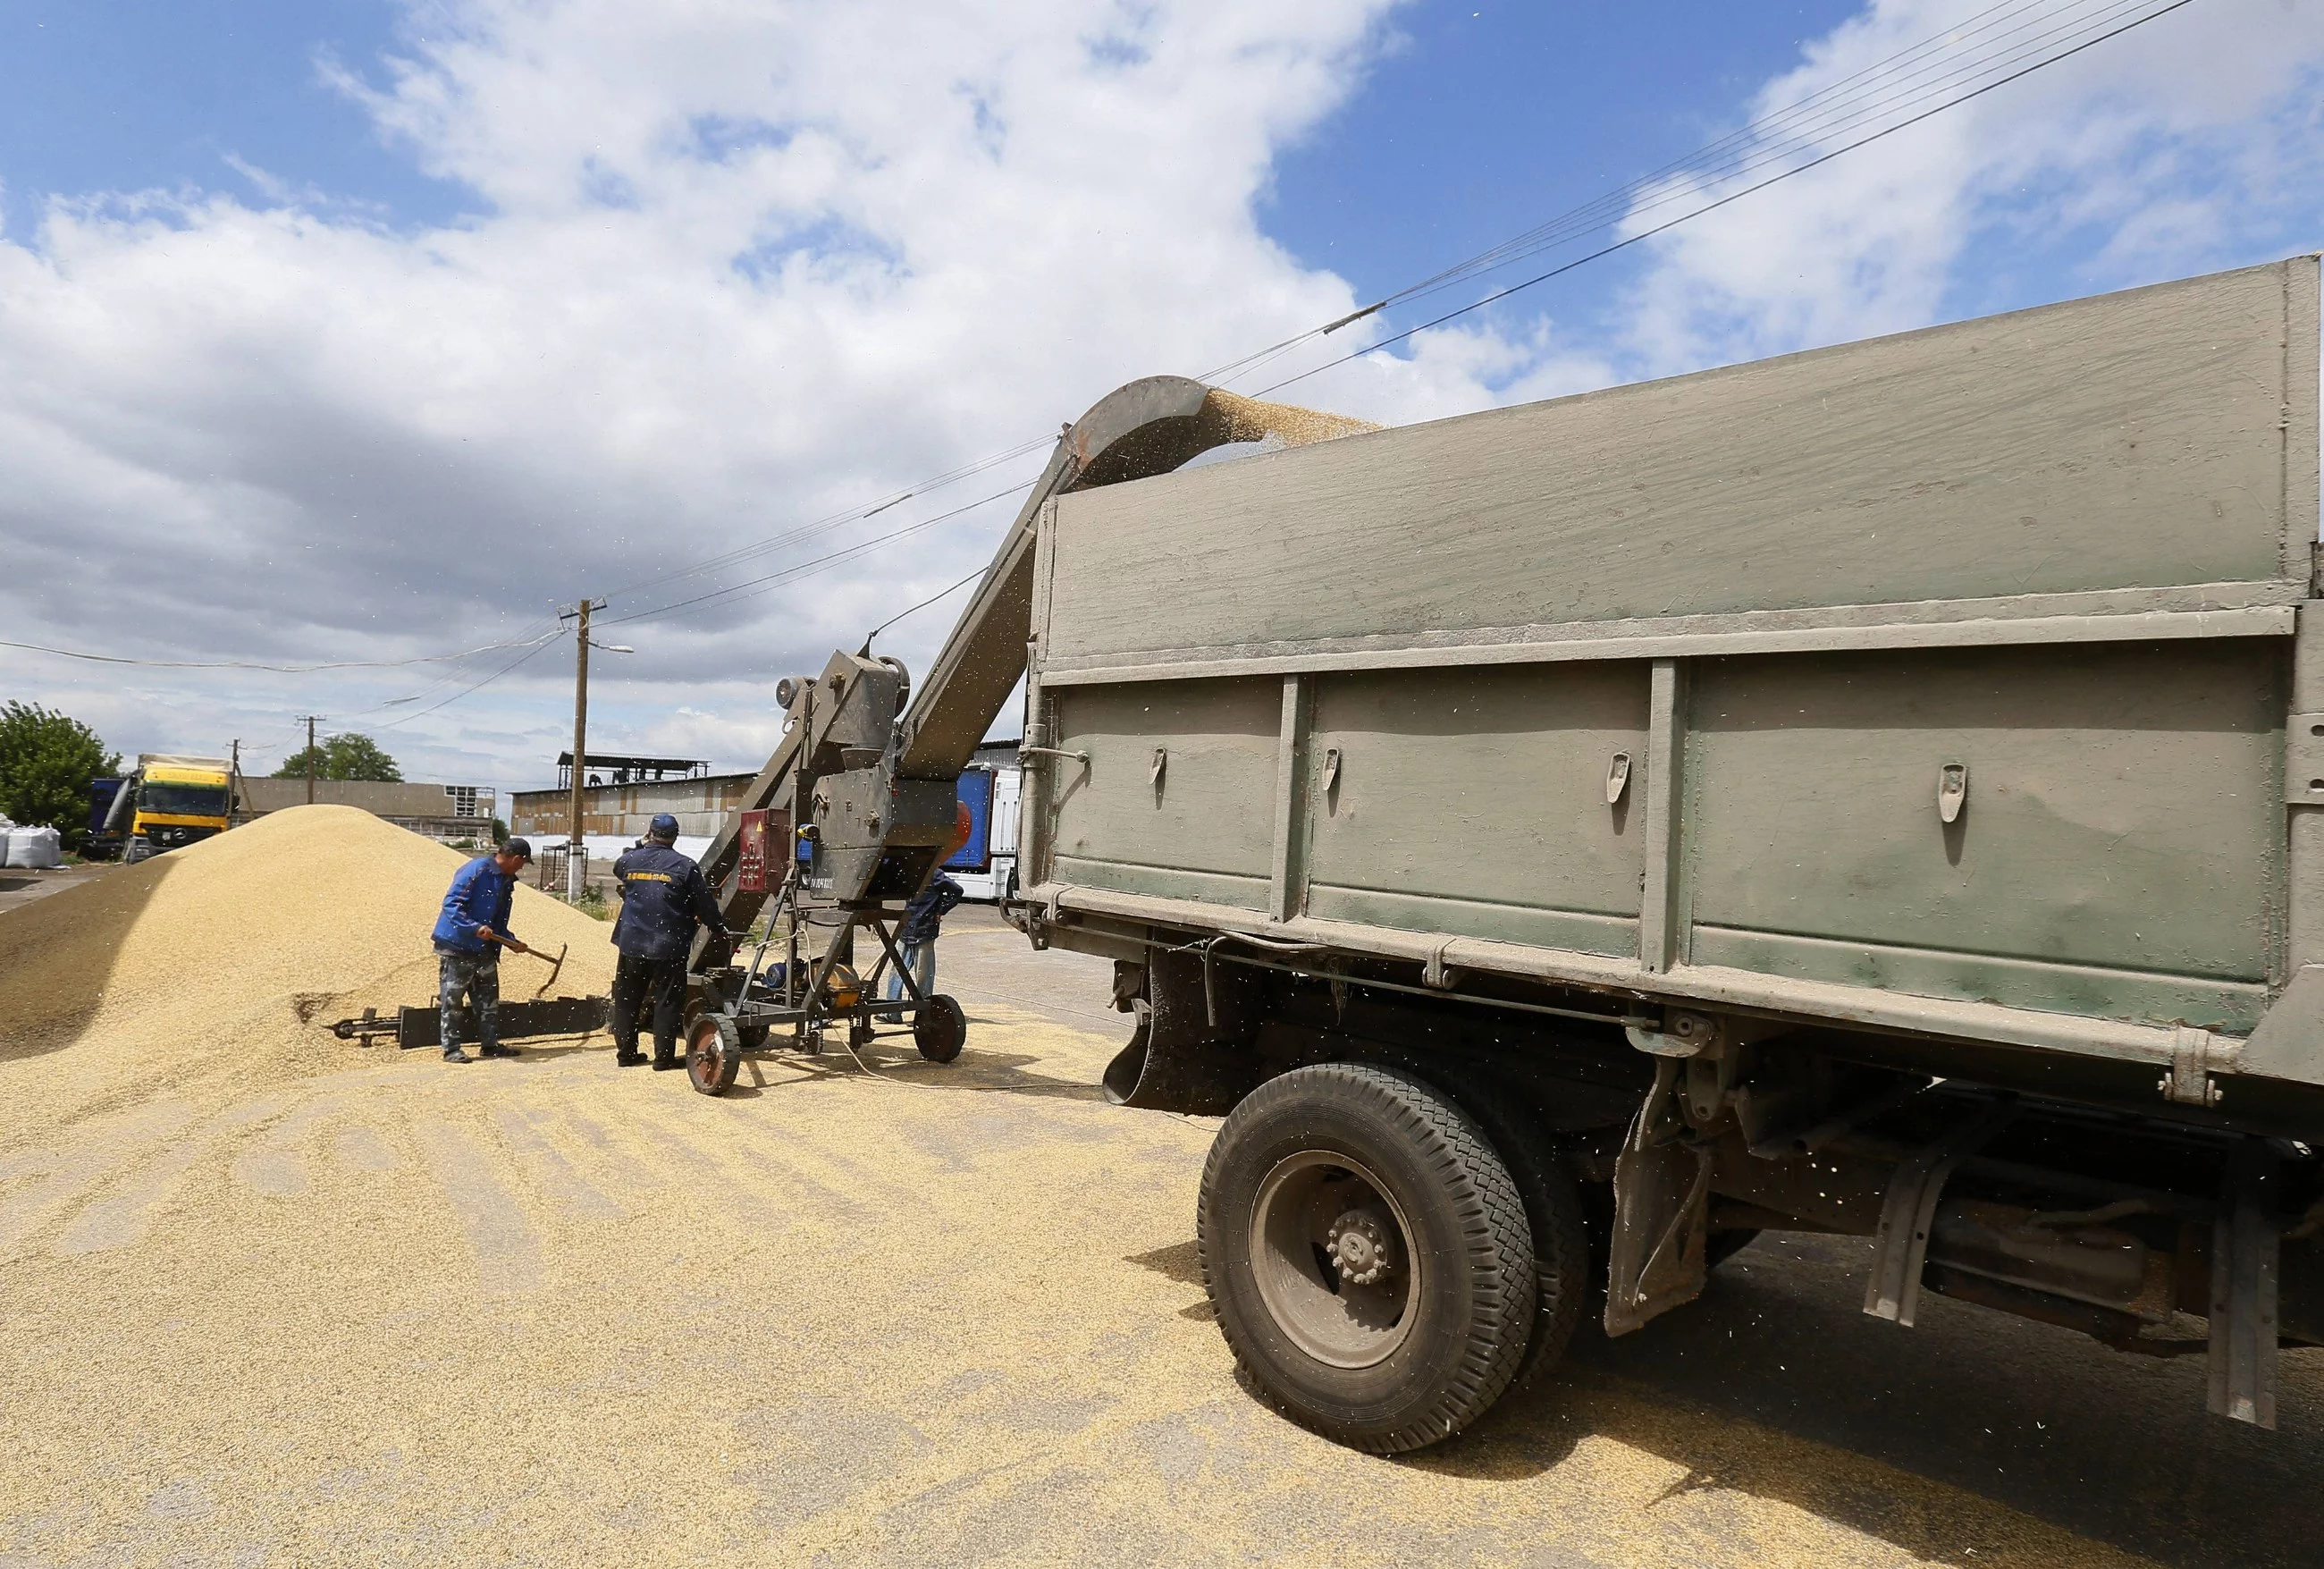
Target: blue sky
[
  {"x": 130, "y": 96},
  {"x": 1479, "y": 119},
  {"x": 348, "y": 329}
]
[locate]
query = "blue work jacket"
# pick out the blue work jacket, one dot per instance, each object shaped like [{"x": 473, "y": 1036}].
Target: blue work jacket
[
  {"x": 924, "y": 913},
  {"x": 480, "y": 895},
  {"x": 663, "y": 893}
]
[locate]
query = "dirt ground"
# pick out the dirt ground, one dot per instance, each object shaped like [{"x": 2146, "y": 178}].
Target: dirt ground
[
  {"x": 551, "y": 1312},
  {"x": 23, "y": 886}
]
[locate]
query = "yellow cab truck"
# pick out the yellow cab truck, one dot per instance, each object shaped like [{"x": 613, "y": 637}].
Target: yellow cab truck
[{"x": 168, "y": 802}]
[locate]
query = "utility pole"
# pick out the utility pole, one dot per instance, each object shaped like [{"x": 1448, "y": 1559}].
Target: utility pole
[
  {"x": 575, "y": 851},
  {"x": 233, "y": 782},
  {"x": 311, "y": 757}
]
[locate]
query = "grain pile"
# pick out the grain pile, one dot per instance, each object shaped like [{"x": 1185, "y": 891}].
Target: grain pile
[{"x": 217, "y": 961}]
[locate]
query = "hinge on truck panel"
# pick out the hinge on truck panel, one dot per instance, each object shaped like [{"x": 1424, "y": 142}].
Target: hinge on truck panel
[
  {"x": 2195, "y": 1055},
  {"x": 2303, "y": 760},
  {"x": 1682, "y": 1034},
  {"x": 1433, "y": 972}
]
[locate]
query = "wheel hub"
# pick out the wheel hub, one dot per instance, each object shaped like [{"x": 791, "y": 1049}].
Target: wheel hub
[
  {"x": 1332, "y": 1259},
  {"x": 1360, "y": 1249}
]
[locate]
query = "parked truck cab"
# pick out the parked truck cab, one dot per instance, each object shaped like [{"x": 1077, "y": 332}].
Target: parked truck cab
[
  {"x": 169, "y": 802},
  {"x": 177, "y": 806}
]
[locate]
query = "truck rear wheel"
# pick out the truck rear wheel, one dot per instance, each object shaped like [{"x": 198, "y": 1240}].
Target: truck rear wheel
[
  {"x": 1367, "y": 1255},
  {"x": 1557, "y": 1222}
]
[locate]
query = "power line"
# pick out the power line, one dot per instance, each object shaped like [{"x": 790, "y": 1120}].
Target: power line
[
  {"x": 538, "y": 633},
  {"x": 1819, "y": 115},
  {"x": 755, "y": 586},
  {"x": 923, "y": 604},
  {"x": 1501, "y": 294},
  {"x": 254, "y": 665},
  {"x": 2001, "y": 37},
  {"x": 480, "y": 685},
  {"x": 840, "y": 519}
]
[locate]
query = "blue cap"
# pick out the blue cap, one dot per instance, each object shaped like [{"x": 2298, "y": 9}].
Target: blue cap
[{"x": 665, "y": 827}]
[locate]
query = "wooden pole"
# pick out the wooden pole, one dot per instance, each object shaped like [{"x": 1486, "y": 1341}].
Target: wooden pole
[{"x": 575, "y": 852}]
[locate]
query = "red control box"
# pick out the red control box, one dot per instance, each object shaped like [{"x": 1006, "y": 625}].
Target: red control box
[{"x": 750, "y": 868}]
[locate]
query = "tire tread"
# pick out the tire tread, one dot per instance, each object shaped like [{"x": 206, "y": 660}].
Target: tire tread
[{"x": 1491, "y": 1211}]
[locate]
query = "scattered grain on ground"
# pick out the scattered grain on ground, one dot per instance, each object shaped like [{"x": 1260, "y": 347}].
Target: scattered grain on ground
[{"x": 276, "y": 1299}]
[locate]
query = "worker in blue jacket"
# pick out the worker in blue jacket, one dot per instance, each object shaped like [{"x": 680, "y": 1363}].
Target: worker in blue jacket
[
  {"x": 470, "y": 934},
  {"x": 916, "y": 934},
  {"x": 663, "y": 895}
]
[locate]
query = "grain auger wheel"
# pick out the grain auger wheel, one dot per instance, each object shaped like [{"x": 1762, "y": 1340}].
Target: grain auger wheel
[
  {"x": 939, "y": 1029},
  {"x": 713, "y": 1054}
]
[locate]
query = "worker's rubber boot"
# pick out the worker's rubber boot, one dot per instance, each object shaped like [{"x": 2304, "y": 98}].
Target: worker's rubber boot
[
  {"x": 628, "y": 1057},
  {"x": 456, "y": 1054},
  {"x": 666, "y": 1056},
  {"x": 496, "y": 1050}
]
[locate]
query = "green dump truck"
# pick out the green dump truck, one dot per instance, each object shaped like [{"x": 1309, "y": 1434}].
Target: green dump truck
[{"x": 1878, "y": 790}]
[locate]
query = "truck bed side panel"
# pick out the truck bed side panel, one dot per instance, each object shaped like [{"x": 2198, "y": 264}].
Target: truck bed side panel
[
  {"x": 1477, "y": 804},
  {"x": 1205, "y": 829},
  {"x": 2117, "y": 853},
  {"x": 2131, "y": 440}
]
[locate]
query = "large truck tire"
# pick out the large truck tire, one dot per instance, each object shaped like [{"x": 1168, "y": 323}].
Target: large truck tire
[
  {"x": 1368, "y": 1255},
  {"x": 1563, "y": 1274}
]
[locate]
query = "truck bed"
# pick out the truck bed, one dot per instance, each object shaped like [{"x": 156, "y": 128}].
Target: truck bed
[{"x": 1959, "y": 689}]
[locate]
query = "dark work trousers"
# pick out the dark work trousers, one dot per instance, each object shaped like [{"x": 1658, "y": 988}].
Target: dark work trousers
[
  {"x": 637, "y": 982},
  {"x": 478, "y": 976}
]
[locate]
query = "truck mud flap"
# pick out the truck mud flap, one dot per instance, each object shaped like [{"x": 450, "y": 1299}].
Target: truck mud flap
[
  {"x": 1662, "y": 1194},
  {"x": 1194, "y": 1052}
]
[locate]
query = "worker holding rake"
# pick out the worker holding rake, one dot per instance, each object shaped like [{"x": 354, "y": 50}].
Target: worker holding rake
[{"x": 469, "y": 936}]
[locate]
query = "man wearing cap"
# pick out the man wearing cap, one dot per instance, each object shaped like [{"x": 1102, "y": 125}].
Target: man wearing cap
[
  {"x": 470, "y": 934},
  {"x": 663, "y": 893}
]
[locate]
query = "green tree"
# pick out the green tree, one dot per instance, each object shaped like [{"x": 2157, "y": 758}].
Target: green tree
[
  {"x": 46, "y": 763},
  {"x": 344, "y": 756}
]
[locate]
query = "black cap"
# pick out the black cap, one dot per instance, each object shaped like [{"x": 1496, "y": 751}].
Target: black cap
[
  {"x": 520, "y": 847},
  {"x": 663, "y": 828}
]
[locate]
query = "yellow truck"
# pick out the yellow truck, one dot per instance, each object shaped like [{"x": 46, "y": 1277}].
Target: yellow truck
[{"x": 168, "y": 802}]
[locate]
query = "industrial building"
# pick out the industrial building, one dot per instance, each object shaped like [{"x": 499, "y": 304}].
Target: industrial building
[
  {"x": 439, "y": 811},
  {"x": 619, "y": 796}
]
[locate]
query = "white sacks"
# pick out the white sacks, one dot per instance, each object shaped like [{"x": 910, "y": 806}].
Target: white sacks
[{"x": 33, "y": 847}]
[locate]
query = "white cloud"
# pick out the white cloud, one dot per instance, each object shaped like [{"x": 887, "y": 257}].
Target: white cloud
[
  {"x": 737, "y": 269},
  {"x": 2188, "y": 143}
]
